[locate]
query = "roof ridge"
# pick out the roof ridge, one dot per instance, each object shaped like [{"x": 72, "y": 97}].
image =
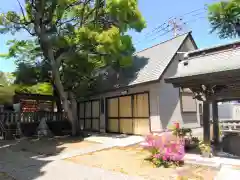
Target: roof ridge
[
  {"x": 217, "y": 48},
  {"x": 213, "y": 53},
  {"x": 187, "y": 33}
]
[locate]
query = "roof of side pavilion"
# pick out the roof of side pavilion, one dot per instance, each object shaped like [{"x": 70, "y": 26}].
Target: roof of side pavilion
[{"x": 209, "y": 65}]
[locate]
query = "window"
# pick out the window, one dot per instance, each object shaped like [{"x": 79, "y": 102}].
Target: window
[
  {"x": 188, "y": 104},
  {"x": 89, "y": 115}
]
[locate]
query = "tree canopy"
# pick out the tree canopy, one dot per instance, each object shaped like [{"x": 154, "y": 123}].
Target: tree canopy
[
  {"x": 224, "y": 18},
  {"x": 75, "y": 37},
  {"x": 9, "y": 87},
  {"x": 90, "y": 33}
]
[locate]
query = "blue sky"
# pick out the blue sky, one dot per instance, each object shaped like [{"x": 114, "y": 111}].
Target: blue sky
[{"x": 155, "y": 12}]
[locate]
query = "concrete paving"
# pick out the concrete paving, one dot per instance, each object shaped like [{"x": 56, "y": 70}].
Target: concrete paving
[
  {"x": 216, "y": 162},
  {"x": 228, "y": 172},
  {"x": 73, "y": 153},
  {"x": 115, "y": 140},
  {"x": 106, "y": 142},
  {"x": 29, "y": 166},
  {"x": 22, "y": 166}
]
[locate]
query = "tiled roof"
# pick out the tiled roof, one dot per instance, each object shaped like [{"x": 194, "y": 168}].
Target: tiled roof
[
  {"x": 209, "y": 61},
  {"x": 148, "y": 65}
]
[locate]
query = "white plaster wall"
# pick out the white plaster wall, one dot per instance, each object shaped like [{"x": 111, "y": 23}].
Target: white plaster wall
[
  {"x": 164, "y": 100},
  {"x": 169, "y": 102}
]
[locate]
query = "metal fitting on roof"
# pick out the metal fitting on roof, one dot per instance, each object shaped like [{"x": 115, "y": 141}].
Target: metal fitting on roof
[{"x": 185, "y": 54}]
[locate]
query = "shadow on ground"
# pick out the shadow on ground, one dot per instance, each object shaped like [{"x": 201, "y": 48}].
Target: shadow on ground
[{"x": 19, "y": 158}]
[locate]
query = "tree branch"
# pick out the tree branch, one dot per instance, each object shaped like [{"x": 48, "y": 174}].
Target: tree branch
[
  {"x": 78, "y": 2},
  {"x": 67, "y": 21},
  {"x": 28, "y": 30},
  {"x": 20, "y": 26},
  {"x": 83, "y": 11},
  {"x": 24, "y": 17}
]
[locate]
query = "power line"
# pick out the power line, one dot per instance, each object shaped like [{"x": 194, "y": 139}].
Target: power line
[
  {"x": 162, "y": 27},
  {"x": 196, "y": 10},
  {"x": 167, "y": 30},
  {"x": 186, "y": 23},
  {"x": 163, "y": 34},
  {"x": 194, "y": 20}
]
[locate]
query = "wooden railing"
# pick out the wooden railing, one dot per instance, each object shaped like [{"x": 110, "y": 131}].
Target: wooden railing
[
  {"x": 8, "y": 118},
  {"x": 2, "y": 129}
]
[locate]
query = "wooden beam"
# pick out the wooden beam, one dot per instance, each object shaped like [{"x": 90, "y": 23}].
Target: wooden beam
[
  {"x": 206, "y": 122},
  {"x": 215, "y": 122}
]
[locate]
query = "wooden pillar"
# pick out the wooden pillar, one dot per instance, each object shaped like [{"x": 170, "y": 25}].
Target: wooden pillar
[
  {"x": 215, "y": 122},
  {"x": 206, "y": 122}
]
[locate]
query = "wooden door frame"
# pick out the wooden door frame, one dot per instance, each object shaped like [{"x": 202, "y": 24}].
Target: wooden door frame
[
  {"x": 132, "y": 98},
  {"x": 84, "y": 111}
]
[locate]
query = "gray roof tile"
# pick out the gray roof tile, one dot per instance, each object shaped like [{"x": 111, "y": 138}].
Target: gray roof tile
[
  {"x": 148, "y": 65},
  {"x": 158, "y": 57},
  {"x": 209, "y": 63}
]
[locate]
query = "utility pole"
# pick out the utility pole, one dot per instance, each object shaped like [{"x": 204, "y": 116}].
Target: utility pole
[{"x": 176, "y": 26}]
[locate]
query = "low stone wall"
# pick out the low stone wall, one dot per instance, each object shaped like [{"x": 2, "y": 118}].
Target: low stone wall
[{"x": 58, "y": 128}]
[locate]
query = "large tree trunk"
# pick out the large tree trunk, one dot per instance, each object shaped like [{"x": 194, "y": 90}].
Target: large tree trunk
[
  {"x": 74, "y": 110},
  {"x": 65, "y": 102},
  {"x": 47, "y": 48},
  {"x": 63, "y": 95},
  {"x": 58, "y": 99}
]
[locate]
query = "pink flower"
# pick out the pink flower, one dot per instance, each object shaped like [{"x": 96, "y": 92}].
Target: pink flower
[
  {"x": 177, "y": 126},
  {"x": 165, "y": 146},
  {"x": 165, "y": 157},
  {"x": 177, "y": 157},
  {"x": 157, "y": 156}
]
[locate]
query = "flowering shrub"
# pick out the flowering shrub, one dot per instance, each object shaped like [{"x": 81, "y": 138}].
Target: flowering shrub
[
  {"x": 166, "y": 149},
  {"x": 186, "y": 134},
  {"x": 206, "y": 149},
  {"x": 181, "y": 132}
]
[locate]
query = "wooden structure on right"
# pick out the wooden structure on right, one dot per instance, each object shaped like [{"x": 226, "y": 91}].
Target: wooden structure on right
[{"x": 213, "y": 75}]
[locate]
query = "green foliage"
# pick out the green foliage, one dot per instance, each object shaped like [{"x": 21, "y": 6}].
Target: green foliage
[
  {"x": 39, "y": 88},
  {"x": 7, "y": 91},
  {"x": 3, "y": 79},
  {"x": 126, "y": 11},
  {"x": 82, "y": 35},
  {"x": 24, "y": 51},
  {"x": 24, "y": 83},
  {"x": 6, "y": 88},
  {"x": 224, "y": 18},
  {"x": 31, "y": 74},
  {"x": 182, "y": 132},
  {"x": 6, "y": 94},
  {"x": 206, "y": 149},
  {"x": 159, "y": 162}
]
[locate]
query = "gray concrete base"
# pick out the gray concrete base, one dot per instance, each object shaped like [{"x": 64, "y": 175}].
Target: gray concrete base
[
  {"x": 227, "y": 173},
  {"x": 216, "y": 162}
]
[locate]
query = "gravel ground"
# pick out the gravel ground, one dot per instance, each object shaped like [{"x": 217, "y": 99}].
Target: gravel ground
[{"x": 130, "y": 161}]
